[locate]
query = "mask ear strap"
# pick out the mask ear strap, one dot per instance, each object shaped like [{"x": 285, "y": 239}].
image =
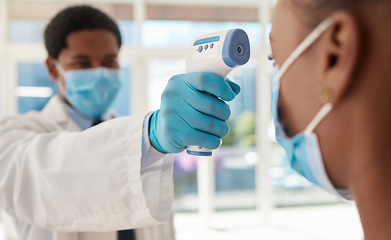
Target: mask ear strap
[
  {"x": 324, "y": 111},
  {"x": 310, "y": 39},
  {"x": 61, "y": 87},
  {"x": 59, "y": 68}
]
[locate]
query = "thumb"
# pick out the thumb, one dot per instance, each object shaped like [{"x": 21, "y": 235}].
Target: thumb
[{"x": 235, "y": 87}]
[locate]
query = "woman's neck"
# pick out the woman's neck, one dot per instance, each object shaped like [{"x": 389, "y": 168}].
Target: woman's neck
[
  {"x": 370, "y": 177},
  {"x": 372, "y": 193}
]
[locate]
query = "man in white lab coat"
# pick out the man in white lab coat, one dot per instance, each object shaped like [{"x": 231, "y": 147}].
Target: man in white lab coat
[{"x": 72, "y": 171}]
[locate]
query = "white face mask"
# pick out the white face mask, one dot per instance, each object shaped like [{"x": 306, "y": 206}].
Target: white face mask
[{"x": 303, "y": 150}]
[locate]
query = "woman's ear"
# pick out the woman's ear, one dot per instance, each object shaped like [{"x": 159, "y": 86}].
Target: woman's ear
[
  {"x": 52, "y": 70},
  {"x": 341, "y": 54}
]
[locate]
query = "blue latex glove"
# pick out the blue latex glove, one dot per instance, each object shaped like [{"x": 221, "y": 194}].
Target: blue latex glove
[{"x": 189, "y": 115}]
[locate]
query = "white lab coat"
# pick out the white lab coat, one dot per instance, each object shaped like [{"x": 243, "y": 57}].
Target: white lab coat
[{"x": 60, "y": 183}]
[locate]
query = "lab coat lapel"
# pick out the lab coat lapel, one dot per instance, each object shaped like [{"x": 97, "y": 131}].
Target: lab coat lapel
[{"x": 54, "y": 111}]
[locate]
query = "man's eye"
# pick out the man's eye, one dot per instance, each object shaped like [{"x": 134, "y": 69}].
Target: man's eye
[
  {"x": 110, "y": 63},
  {"x": 83, "y": 64}
]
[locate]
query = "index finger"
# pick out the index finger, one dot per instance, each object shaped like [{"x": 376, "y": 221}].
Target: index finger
[{"x": 213, "y": 84}]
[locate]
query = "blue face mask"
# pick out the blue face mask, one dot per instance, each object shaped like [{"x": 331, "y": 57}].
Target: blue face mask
[
  {"x": 303, "y": 150},
  {"x": 91, "y": 91}
]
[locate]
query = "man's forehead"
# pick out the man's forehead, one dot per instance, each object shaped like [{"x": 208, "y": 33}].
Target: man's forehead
[
  {"x": 90, "y": 39},
  {"x": 87, "y": 56},
  {"x": 86, "y": 44}
]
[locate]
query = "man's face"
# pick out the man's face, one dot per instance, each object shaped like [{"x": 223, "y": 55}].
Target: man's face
[{"x": 86, "y": 49}]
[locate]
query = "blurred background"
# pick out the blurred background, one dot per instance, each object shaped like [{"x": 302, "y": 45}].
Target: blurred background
[{"x": 247, "y": 190}]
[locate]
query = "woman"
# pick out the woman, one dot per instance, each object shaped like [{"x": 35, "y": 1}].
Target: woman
[{"x": 331, "y": 99}]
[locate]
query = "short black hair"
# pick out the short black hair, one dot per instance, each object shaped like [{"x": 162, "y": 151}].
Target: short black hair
[{"x": 73, "y": 19}]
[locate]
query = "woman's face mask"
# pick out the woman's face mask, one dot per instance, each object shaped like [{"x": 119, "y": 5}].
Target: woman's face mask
[
  {"x": 303, "y": 151},
  {"x": 91, "y": 91}
]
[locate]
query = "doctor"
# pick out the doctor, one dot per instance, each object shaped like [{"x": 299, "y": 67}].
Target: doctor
[
  {"x": 65, "y": 175},
  {"x": 331, "y": 100}
]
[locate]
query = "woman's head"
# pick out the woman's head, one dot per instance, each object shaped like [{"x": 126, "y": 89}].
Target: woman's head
[
  {"x": 315, "y": 11},
  {"x": 347, "y": 62}
]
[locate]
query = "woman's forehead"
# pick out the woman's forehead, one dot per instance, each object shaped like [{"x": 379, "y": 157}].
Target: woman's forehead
[{"x": 285, "y": 20}]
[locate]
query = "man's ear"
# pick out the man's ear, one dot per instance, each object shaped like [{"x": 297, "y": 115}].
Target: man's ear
[
  {"x": 341, "y": 53},
  {"x": 52, "y": 70}
]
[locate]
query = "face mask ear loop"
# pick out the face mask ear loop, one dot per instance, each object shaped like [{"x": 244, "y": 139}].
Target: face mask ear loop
[
  {"x": 324, "y": 111},
  {"x": 59, "y": 68},
  {"x": 318, "y": 31},
  {"x": 61, "y": 87}
]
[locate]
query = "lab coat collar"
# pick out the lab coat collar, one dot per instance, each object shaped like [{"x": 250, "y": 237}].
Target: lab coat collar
[
  {"x": 83, "y": 121},
  {"x": 56, "y": 112},
  {"x": 69, "y": 119}
]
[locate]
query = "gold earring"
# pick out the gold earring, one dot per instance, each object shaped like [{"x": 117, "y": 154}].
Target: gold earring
[{"x": 326, "y": 93}]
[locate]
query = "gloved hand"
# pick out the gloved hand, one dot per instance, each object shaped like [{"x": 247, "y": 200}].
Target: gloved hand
[{"x": 189, "y": 115}]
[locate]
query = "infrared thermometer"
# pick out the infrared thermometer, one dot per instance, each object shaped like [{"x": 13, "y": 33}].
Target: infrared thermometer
[{"x": 218, "y": 53}]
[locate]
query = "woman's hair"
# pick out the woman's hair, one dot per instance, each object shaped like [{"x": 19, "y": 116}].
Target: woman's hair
[{"x": 315, "y": 11}]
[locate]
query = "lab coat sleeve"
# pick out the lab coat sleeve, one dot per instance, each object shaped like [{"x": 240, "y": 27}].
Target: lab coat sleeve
[
  {"x": 153, "y": 162},
  {"x": 80, "y": 181}
]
